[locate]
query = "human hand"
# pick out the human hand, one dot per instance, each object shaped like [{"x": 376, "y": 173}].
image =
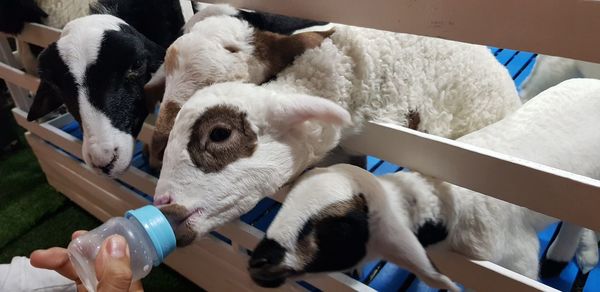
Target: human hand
[{"x": 112, "y": 265}]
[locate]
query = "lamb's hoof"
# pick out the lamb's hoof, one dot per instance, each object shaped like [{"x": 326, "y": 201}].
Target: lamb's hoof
[{"x": 551, "y": 268}]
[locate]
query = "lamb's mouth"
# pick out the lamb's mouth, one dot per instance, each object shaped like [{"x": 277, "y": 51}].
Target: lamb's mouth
[
  {"x": 109, "y": 167},
  {"x": 181, "y": 221}
]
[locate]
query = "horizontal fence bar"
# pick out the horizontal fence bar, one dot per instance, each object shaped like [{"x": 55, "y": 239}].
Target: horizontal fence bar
[
  {"x": 540, "y": 188},
  {"x": 554, "y": 27},
  {"x": 490, "y": 277},
  {"x": 18, "y": 77},
  {"x": 37, "y": 34},
  {"x": 133, "y": 176}
]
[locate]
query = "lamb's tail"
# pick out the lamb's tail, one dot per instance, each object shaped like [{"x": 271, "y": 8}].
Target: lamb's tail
[{"x": 587, "y": 252}]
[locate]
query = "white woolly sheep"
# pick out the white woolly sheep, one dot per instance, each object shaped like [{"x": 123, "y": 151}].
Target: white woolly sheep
[
  {"x": 334, "y": 218},
  {"x": 441, "y": 87},
  {"x": 549, "y": 71}
]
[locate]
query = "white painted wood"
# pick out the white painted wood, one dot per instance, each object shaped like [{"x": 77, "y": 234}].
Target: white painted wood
[
  {"x": 554, "y": 27},
  {"x": 37, "y": 34},
  {"x": 133, "y": 176},
  {"x": 18, "y": 77},
  {"x": 482, "y": 275},
  {"x": 186, "y": 9},
  {"x": 535, "y": 186},
  {"x": 145, "y": 134},
  {"x": 7, "y": 59}
]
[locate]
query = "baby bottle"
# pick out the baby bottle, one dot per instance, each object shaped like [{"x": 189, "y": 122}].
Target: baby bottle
[{"x": 148, "y": 234}]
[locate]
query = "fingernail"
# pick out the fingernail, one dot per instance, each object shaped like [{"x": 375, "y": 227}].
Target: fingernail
[{"x": 116, "y": 246}]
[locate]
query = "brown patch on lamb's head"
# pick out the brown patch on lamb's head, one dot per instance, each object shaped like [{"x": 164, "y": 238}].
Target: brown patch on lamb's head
[
  {"x": 171, "y": 59},
  {"x": 278, "y": 51},
  {"x": 163, "y": 127},
  {"x": 219, "y": 137},
  {"x": 414, "y": 119}
]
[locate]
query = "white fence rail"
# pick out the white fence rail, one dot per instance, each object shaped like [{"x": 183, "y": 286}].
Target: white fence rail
[
  {"x": 215, "y": 265},
  {"x": 569, "y": 28}
]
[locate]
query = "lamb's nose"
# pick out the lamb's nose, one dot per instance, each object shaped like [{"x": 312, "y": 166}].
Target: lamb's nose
[
  {"x": 257, "y": 263},
  {"x": 104, "y": 158}
]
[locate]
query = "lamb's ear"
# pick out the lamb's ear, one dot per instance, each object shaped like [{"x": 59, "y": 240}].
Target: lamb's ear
[
  {"x": 15, "y": 13},
  {"x": 45, "y": 101},
  {"x": 402, "y": 247},
  {"x": 155, "y": 88},
  {"x": 279, "y": 51},
  {"x": 207, "y": 11},
  {"x": 291, "y": 110},
  {"x": 275, "y": 22}
]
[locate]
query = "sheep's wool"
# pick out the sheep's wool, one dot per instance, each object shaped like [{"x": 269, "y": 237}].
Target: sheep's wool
[
  {"x": 62, "y": 11},
  {"x": 383, "y": 76}
]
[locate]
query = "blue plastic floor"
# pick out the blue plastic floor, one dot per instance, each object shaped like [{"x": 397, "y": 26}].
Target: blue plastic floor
[{"x": 381, "y": 275}]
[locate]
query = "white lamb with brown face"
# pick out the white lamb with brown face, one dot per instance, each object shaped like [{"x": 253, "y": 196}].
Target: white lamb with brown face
[
  {"x": 441, "y": 87},
  {"x": 224, "y": 44},
  {"x": 234, "y": 143},
  {"x": 335, "y": 218}
]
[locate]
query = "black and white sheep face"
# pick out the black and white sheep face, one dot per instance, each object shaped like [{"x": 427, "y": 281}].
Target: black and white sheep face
[
  {"x": 322, "y": 227},
  {"x": 98, "y": 68},
  {"x": 234, "y": 143}
]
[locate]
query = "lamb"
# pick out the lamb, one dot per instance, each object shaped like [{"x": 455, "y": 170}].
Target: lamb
[
  {"x": 256, "y": 58},
  {"x": 101, "y": 83},
  {"x": 158, "y": 20},
  {"x": 549, "y": 71},
  {"x": 213, "y": 51},
  {"x": 234, "y": 143},
  {"x": 99, "y": 68},
  {"x": 334, "y": 218}
]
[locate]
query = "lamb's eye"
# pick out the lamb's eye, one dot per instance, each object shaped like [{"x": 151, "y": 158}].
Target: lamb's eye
[
  {"x": 219, "y": 134},
  {"x": 131, "y": 74},
  {"x": 232, "y": 49},
  {"x": 137, "y": 65}
]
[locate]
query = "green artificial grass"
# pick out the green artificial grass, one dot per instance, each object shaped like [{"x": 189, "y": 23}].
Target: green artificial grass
[
  {"x": 25, "y": 196},
  {"x": 35, "y": 216},
  {"x": 55, "y": 231}
]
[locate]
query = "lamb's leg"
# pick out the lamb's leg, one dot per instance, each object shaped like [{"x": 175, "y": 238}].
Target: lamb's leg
[
  {"x": 561, "y": 251},
  {"x": 523, "y": 257},
  {"x": 587, "y": 252},
  {"x": 547, "y": 72}
]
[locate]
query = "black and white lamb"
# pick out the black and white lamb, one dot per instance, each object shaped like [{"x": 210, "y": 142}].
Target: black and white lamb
[{"x": 335, "y": 218}]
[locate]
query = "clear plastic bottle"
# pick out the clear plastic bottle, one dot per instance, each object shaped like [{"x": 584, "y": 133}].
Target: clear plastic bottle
[{"x": 149, "y": 236}]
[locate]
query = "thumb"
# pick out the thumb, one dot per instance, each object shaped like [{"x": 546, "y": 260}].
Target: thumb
[{"x": 113, "y": 264}]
